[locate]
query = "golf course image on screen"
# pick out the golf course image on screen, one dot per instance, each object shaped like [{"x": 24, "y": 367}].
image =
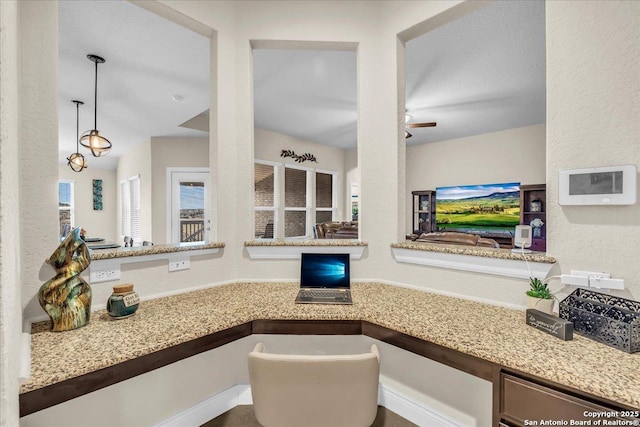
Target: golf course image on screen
[{"x": 478, "y": 208}]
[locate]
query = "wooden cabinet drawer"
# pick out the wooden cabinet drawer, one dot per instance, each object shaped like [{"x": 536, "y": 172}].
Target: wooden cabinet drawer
[{"x": 522, "y": 400}]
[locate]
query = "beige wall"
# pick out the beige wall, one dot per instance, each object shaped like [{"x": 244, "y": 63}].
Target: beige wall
[
  {"x": 593, "y": 119},
  {"x": 10, "y": 244},
  {"x": 137, "y": 161},
  {"x": 169, "y": 153},
  {"x": 38, "y": 136},
  {"x": 268, "y": 146},
  {"x": 97, "y": 223},
  {"x": 513, "y": 155},
  {"x": 592, "y": 110}
]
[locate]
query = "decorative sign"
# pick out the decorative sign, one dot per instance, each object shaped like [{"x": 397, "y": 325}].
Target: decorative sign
[
  {"x": 550, "y": 324},
  {"x": 131, "y": 299},
  {"x": 97, "y": 194},
  {"x": 299, "y": 159}
]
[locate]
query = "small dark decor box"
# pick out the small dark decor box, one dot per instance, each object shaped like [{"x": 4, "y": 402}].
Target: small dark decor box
[{"x": 611, "y": 320}]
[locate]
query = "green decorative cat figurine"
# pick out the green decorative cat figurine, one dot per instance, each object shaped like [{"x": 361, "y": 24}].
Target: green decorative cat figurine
[{"x": 67, "y": 297}]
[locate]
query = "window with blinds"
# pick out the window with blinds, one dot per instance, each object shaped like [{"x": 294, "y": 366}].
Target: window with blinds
[
  {"x": 290, "y": 199},
  {"x": 325, "y": 195},
  {"x": 265, "y": 197},
  {"x": 65, "y": 207},
  {"x": 130, "y": 208},
  {"x": 296, "y": 202}
]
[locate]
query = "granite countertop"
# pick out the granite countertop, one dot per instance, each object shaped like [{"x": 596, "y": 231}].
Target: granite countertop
[
  {"x": 310, "y": 242},
  {"x": 493, "y": 333},
  {"x": 97, "y": 254},
  {"x": 474, "y": 251}
]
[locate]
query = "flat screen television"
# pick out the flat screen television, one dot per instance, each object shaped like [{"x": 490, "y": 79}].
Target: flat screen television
[{"x": 479, "y": 209}]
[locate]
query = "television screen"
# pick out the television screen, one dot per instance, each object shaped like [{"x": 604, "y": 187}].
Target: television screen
[{"x": 480, "y": 209}]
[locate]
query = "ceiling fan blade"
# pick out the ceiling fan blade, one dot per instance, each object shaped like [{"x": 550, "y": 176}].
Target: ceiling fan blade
[{"x": 421, "y": 125}]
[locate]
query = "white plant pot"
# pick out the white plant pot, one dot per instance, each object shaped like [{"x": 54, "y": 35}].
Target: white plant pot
[{"x": 544, "y": 305}]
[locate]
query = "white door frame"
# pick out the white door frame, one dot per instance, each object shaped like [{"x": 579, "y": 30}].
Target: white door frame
[{"x": 170, "y": 200}]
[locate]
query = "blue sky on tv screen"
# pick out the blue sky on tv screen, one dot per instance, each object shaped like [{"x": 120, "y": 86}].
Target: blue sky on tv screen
[{"x": 466, "y": 191}]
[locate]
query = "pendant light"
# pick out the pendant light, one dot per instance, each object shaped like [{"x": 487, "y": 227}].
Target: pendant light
[
  {"x": 91, "y": 139},
  {"x": 76, "y": 161}
]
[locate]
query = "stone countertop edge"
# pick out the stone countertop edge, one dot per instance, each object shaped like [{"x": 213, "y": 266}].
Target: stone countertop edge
[
  {"x": 317, "y": 242},
  {"x": 98, "y": 254},
  {"x": 496, "y": 334},
  {"x": 474, "y": 251}
]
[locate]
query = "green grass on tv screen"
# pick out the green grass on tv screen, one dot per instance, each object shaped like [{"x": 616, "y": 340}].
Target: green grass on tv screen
[{"x": 480, "y": 214}]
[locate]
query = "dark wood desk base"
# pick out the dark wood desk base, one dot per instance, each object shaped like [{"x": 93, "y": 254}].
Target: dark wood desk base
[{"x": 54, "y": 394}]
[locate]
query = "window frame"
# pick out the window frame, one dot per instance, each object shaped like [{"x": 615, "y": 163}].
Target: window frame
[
  {"x": 127, "y": 215},
  {"x": 72, "y": 204},
  {"x": 279, "y": 209},
  {"x": 334, "y": 194},
  {"x": 309, "y": 200},
  {"x": 276, "y": 197}
]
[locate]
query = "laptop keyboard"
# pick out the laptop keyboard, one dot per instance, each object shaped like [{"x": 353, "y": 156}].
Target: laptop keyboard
[{"x": 324, "y": 294}]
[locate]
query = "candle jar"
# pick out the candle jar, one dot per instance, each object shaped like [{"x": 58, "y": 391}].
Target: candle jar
[{"x": 123, "y": 302}]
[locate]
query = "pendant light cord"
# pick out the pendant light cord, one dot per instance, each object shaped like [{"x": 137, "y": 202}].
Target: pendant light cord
[
  {"x": 95, "y": 102},
  {"x": 77, "y": 127}
]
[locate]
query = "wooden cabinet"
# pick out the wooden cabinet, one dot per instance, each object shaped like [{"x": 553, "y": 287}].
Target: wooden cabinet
[
  {"x": 523, "y": 402},
  {"x": 424, "y": 211},
  {"x": 533, "y": 204}
]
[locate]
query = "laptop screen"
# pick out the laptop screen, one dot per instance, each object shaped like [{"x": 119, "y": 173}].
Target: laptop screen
[{"x": 324, "y": 271}]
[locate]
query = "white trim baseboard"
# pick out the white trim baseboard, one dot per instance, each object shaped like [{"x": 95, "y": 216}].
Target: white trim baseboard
[
  {"x": 218, "y": 404},
  {"x": 240, "y": 394},
  {"x": 412, "y": 410}
]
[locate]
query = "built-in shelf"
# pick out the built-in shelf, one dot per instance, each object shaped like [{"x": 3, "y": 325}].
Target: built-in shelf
[
  {"x": 291, "y": 249},
  {"x": 500, "y": 262}
]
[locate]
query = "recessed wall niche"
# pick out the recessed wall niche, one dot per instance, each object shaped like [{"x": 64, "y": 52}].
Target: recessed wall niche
[
  {"x": 305, "y": 139},
  {"x": 157, "y": 78},
  {"x": 481, "y": 78}
]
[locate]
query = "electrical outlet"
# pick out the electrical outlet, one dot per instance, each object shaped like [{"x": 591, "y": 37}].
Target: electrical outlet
[
  {"x": 606, "y": 283},
  {"x": 590, "y": 274},
  {"x": 179, "y": 265},
  {"x": 594, "y": 279},
  {"x": 574, "y": 280},
  {"x": 104, "y": 275}
]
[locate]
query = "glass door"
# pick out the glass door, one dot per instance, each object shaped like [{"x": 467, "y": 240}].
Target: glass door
[{"x": 190, "y": 222}]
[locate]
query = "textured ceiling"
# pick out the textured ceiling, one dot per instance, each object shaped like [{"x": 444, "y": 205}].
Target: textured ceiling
[
  {"x": 308, "y": 94},
  {"x": 481, "y": 73}
]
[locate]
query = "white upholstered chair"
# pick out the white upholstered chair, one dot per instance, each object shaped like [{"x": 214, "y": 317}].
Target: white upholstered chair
[{"x": 314, "y": 391}]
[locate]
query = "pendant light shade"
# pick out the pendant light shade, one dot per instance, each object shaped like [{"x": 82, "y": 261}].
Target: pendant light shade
[
  {"x": 91, "y": 139},
  {"x": 76, "y": 161}
]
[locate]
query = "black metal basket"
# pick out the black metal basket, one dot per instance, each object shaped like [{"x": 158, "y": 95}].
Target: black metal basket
[{"x": 610, "y": 320}]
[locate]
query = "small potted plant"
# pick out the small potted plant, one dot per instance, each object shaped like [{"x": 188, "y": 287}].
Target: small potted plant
[{"x": 539, "y": 296}]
